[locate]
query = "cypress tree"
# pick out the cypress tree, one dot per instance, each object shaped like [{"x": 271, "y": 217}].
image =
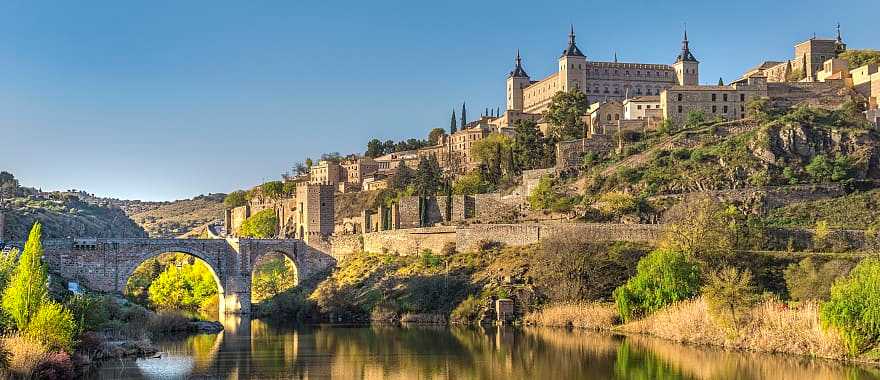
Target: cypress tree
[
  {"x": 463, "y": 115},
  {"x": 27, "y": 290},
  {"x": 453, "y": 125}
]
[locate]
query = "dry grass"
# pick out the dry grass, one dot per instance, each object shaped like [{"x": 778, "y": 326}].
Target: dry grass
[
  {"x": 595, "y": 316},
  {"x": 26, "y": 354},
  {"x": 771, "y": 327},
  {"x": 168, "y": 322}
]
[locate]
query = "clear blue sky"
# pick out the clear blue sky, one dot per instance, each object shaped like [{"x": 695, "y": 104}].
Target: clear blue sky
[{"x": 161, "y": 100}]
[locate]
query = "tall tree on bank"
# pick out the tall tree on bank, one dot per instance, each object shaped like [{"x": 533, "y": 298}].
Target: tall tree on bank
[
  {"x": 453, "y": 124},
  {"x": 374, "y": 148},
  {"x": 27, "y": 290},
  {"x": 565, "y": 112},
  {"x": 463, "y": 115}
]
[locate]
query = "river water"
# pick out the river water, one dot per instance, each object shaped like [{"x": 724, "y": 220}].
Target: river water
[{"x": 255, "y": 349}]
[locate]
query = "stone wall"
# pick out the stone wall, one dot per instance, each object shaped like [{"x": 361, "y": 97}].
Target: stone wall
[
  {"x": 415, "y": 240},
  {"x": 759, "y": 200},
  {"x": 569, "y": 153}
]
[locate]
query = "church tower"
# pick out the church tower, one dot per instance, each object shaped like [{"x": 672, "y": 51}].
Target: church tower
[
  {"x": 572, "y": 66},
  {"x": 687, "y": 68},
  {"x": 517, "y": 80}
]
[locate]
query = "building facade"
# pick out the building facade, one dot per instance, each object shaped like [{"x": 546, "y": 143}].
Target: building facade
[{"x": 599, "y": 81}]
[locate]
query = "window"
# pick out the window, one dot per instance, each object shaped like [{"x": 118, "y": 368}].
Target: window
[
  {"x": 609, "y": 117},
  {"x": 742, "y": 108},
  {"x": 724, "y": 109},
  {"x": 725, "y": 97},
  {"x": 742, "y": 97},
  {"x": 606, "y": 89},
  {"x": 617, "y": 116},
  {"x": 679, "y": 97},
  {"x": 679, "y": 109},
  {"x": 638, "y": 107},
  {"x": 714, "y": 97},
  {"x": 714, "y": 109}
]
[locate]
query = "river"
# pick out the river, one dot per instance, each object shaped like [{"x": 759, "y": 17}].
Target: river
[{"x": 256, "y": 349}]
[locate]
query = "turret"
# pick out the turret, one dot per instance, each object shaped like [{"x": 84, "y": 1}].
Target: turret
[
  {"x": 687, "y": 68},
  {"x": 517, "y": 80},
  {"x": 572, "y": 66}
]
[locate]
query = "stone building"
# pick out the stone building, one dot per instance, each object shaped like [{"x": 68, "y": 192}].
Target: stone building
[
  {"x": 325, "y": 173},
  {"x": 600, "y": 81},
  {"x": 725, "y": 102},
  {"x": 809, "y": 58},
  {"x": 308, "y": 214},
  {"x": 642, "y": 107}
]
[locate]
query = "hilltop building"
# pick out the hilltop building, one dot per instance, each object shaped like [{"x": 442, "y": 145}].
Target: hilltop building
[{"x": 599, "y": 81}]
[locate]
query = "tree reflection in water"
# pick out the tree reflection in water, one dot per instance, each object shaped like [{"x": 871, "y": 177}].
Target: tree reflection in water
[{"x": 255, "y": 349}]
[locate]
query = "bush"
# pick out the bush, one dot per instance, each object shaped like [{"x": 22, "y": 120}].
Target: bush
[
  {"x": 25, "y": 355},
  {"x": 808, "y": 280},
  {"x": 53, "y": 326},
  {"x": 615, "y": 204},
  {"x": 729, "y": 296},
  {"x": 263, "y": 224},
  {"x": 167, "y": 322},
  {"x": 663, "y": 277},
  {"x": 823, "y": 169},
  {"x": 235, "y": 199},
  {"x": 468, "y": 311},
  {"x": 56, "y": 365},
  {"x": 290, "y": 305},
  {"x": 854, "y": 307},
  {"x": 90, "y": 311},
  {"x": 574, "y": 269}
]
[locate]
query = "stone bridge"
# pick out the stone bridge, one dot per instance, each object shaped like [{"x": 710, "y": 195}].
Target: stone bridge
[{"x": 106, "y": 264}]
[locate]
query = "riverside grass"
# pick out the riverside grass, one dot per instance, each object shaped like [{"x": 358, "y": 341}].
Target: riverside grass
[{"x": 594, "y": 316}]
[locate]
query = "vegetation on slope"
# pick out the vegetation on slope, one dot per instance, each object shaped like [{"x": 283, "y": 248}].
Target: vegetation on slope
[
  {"x": 176, "y": 218},
  {"x": 859, "y": 210}
]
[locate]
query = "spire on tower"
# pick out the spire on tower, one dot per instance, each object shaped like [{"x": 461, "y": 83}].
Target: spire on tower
[
  {"x": 839, "y": 38},
  {"x": 572, "y": 50},
  {"x": 685, "y": 55},
  {"x": 615, "y": 57},
  {"x": 518, "y": 71}
]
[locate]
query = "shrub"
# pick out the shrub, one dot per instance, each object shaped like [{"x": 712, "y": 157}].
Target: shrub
[
  {"x": 820, "y": 234},
  {"x": 823, "y": 169},
  {"x": 468, "y": 311},
  {"x": 53, "y": 326},
  {"x": 448, "y": 249},
  {"x": 807, "y": 280},
  {"x": 56, "y": 365},
  {"x": 235, "y": 199},
  {"x": 617, "y": 203},
  {"x": 429, "y": 260},
  {"x": 25, "y": 355},
  {"x": 168, "y": 322},
  {"x": 90, "y": 311},
  {"x": 854, "y": 307},
  {"x": 663, "y": 277},
  {"x": 729, "y": 296},
  {"x": 574, "y": 269},
  {"x": 263, "y": 224},
  {"x": 291, "y": 304}
]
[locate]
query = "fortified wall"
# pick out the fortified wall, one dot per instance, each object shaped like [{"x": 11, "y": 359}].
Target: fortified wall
[
  {"x": 569, "y": 154},
  {"x": 466, "y": 238}
]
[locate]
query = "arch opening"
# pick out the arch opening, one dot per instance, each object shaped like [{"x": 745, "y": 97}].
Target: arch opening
[
  {"x": 273, "y": 274},
  {"x": 176, "y": 281}
]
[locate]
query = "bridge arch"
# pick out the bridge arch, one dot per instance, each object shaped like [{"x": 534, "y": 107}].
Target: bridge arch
[{"x": 211, "y": 262}]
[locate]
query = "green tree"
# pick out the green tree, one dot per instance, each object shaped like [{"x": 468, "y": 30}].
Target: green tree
[
  {"x": 812, "y": 280},
  {"x": 428, "y": 176},
  {"x": 695, "y": 119},
  {"x": 529, "y": 146},
  {"x": 435, "y": 135},
  {"x": 491, "y": 148},
  {"x": 823, "y": 169},
  {"x": 272, "y": 277},
  {"x": 235, "y": 199},
  {"x": 854, "y": 307},
  {"x": 53, "y": 325},
  {"x": 662, "y": 277},
  {"x": 263, "y": 224},
  {"x": 858, "y": 58},
  {"x": 471, "y": 183},
  {"x": 543, "y": 195},
  {"x": 452, "y": 124},
  {"x": 374, "y": 148},
  {"x": 185, "y": 288},
  {"x": 729, "y": 296},
  {"x": 27, "y": 290},
  {"x": 273, "y": 189},
  {"x": 402, "y": 177},
  {"x": 565, "y": 112}
]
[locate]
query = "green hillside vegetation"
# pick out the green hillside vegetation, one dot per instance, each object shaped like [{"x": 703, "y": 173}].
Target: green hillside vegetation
[{"x": 860, "y": 210}]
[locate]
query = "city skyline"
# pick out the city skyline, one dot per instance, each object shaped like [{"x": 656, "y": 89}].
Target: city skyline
[{"x": 179, "y": 100}]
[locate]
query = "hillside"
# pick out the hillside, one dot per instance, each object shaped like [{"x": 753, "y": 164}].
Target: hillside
[
  {"x": 176, "y": 218},
  {"x": 63, "y": 214}
]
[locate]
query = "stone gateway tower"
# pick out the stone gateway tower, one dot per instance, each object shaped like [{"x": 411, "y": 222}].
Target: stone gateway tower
[{"x": 687, "y": 68}]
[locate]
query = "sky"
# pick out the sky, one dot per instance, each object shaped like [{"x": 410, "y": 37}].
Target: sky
[{"x": 163, "y": 100}]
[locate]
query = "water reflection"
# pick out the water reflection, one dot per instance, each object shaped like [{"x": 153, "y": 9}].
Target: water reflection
[{"x": 254, "y": 349}]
